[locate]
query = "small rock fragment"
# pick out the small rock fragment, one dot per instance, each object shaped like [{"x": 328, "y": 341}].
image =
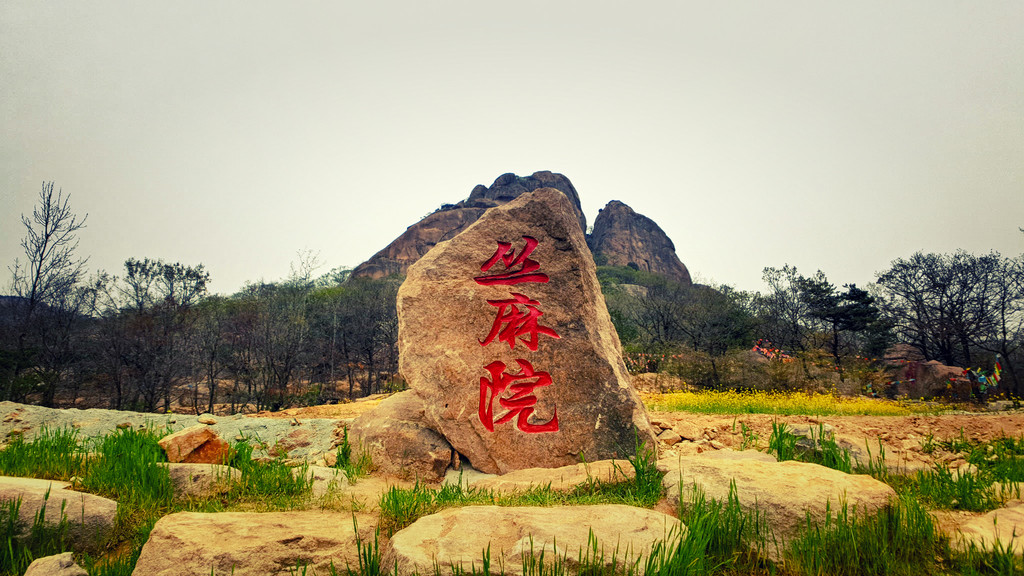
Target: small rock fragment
[
  {"x": 59, "y": 565},
  {"x": 669, "y": 437}
]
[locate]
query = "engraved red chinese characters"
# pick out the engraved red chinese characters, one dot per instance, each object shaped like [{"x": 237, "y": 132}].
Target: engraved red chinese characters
[
  {"x": 527, "y": 267},
  {"x": 521, "y": 324},
  {"x": 521, "y": 401}
]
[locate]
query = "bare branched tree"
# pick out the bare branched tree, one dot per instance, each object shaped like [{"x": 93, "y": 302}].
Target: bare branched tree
[
  {"x": 47, "y": 277},
  {"x": 51, "y": 267}
]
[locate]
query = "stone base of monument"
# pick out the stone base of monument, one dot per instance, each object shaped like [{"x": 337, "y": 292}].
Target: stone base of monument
[{"x": 398, "y": 441}]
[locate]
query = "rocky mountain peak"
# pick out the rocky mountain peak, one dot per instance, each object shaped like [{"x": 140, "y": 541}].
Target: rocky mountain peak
[
  {"x": 508, "y": 187},
  {"x": 446, "y": 222},
  {"x": 621, "y": 237}
]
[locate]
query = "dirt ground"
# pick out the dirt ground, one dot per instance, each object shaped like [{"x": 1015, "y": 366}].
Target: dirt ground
[
  {"x": 903, "y": 437},
  {"x": 339, "y": 411}
]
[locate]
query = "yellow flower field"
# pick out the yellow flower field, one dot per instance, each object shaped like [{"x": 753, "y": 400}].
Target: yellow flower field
[{"x": 786, "y": 403}]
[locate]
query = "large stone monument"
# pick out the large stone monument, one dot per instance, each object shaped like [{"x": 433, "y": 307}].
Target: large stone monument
[{"x": 505, "y": 336}]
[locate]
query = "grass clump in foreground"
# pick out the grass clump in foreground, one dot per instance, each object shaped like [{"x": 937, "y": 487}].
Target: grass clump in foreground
[
  {"x": 400, "y": 507},
  {"x": 994, "y": 477},
  {"x": 19, "y": 546},
  {"x": 782, "y": 403},
  {"x": 823, "y": 448},
  {"x": 269, "y": 483},
  {"x": 900, "y": 539},
  {"x": 124, "y": 467},
  {"x": 724, "y": 538},
  {"x": 129, "y": 466},
  {"x": 54, "y": 454},
  {"x": 354, "y": 467},
  {"x": 973, "y": 491}
]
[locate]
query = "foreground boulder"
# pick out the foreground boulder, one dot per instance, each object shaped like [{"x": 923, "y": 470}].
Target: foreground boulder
[
  {"x": 1005, "y": 525},
  {"x": 197, "y": 444},
  {"x": 504, "y": 333},
  {"x": 89, "y": 518},
  {"x": 458, "y": 537},
  {"x": 59, "y": 565},
  {"x": 399, "y": 442},
  {"x": 248, "y": 544},
  {"x": 784, "y": 491}
]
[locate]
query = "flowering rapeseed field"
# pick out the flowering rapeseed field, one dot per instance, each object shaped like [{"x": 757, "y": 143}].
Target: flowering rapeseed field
[{"x": 785, "y": 403}]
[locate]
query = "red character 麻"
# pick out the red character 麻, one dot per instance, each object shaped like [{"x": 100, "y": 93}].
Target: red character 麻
[
  {"x": 520, "y": 402},
  {"x": 518, "y": 323},
  {"x": 518, "y": 268}
]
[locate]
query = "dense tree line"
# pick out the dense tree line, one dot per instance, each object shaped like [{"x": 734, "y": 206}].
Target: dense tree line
[
  {"x": 960, "y": 309},
  {"x": 151, "y": 337}
]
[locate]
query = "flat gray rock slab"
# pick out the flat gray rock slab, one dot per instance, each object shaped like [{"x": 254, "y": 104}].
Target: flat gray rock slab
[
  {"x": 310, "y": 439},
  {"x": 89, "y": 517},
  {"x": 458, "y": 537}
]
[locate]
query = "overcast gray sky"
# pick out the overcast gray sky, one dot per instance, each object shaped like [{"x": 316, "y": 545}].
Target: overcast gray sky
[{"x": 826, "y": 135}]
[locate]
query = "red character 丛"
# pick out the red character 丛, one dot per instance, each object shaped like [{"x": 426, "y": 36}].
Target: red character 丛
[{"x": 527, "y": 271}]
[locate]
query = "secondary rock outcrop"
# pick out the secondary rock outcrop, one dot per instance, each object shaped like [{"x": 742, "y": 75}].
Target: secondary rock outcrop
[
  {"x": 195, "y": 445},
  {"x": 399, "y": 443},
  {"x": 503, "y": 331},
  {"x": 450, "y": 219},
  {"x": 621, "y": 237},
  {"x": 1005, "y": 525}
]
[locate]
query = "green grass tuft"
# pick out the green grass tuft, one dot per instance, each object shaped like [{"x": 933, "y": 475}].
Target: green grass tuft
[
  {"x": 354, "y": 468},
  {"x": 22, "y": 544},
  {"x": 269, "y": 482},
  {"x": 400, "y": 507},
  {"x": 900, "y": 539},
  {"x": 731, "y": 536},
  {"x": 52, "y": 454}
]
